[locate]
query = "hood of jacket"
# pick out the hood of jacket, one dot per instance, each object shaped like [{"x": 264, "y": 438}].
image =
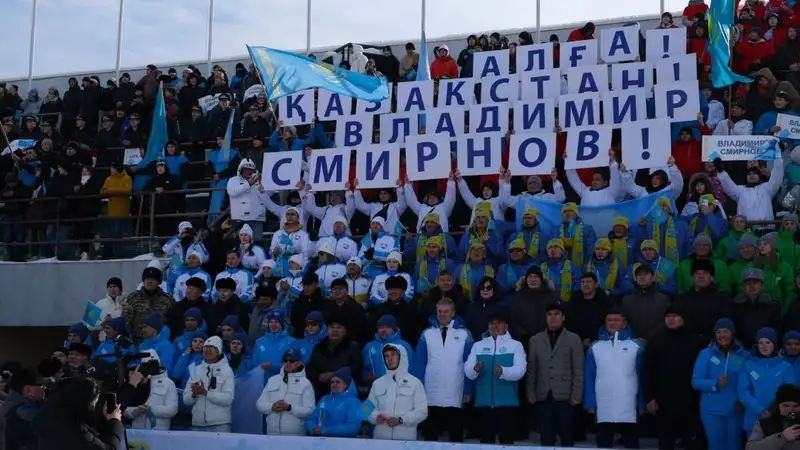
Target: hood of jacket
[
  {"x": 316, "y": 338},
  {"x": 389, "y": 339},
  {"x": 457, "y": 322},
  {"x": 402, "y": 366}
]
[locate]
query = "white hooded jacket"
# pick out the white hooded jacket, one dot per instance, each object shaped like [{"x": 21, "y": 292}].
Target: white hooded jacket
[
  {"x": 296, "y": 391},
  {"x": 398, "y": 394},
  {"x": 213, "y": 408},
  {"x": 245, "y": 199},
  {"x": 358, "y": 61},
  {"x": 754, "y": 203},
  {"x": 163, "y": 404}
]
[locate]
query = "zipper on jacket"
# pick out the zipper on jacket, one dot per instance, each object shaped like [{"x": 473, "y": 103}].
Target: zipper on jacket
[{"x": 494, "y": 354}]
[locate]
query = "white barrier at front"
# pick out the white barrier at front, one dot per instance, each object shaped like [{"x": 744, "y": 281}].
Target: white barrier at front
[{"x": 183, "y": 440}]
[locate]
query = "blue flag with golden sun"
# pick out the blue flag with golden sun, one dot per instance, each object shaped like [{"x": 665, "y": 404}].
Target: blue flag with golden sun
[
  {"x": 285, "y": 73},
  {"x": 720, "y": 22}
]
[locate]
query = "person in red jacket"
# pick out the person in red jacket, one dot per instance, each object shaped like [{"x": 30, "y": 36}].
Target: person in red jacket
[
  {"x": 444, "y": 65},
  {"x": 758, "y": 10},
  {"x": 776, "y": 32},
  {"x": 666, "y": 22},
  {"x": 691, "y": 11},
  {"x": 583, "y": 33},
  {"x": 688, "y": 153},
  {"x": 754, "y": 53}
]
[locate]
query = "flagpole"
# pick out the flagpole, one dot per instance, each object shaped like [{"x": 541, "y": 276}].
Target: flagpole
[
  {"x": 308, "y": 27},
  {"x": 261, "y": 80},
  {"x": 424, "y": 12},
  {"x": 119, "y": 38},
  {"x": 210, "y": 33},
  {"x": 538, "y": 21},
  {"x": 32, "y": 45}
]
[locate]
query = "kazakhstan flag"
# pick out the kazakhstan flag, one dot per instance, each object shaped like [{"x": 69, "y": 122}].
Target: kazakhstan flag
[
  {"x": 285, "y": 73},
  {"x": 720, "y": 22}
]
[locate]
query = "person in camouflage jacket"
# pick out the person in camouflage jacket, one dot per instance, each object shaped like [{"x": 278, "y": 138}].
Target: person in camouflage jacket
[{"x": 150, "y": 298}]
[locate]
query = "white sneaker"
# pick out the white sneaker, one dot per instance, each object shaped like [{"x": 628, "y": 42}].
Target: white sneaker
[{"x": 84, "y": 256}]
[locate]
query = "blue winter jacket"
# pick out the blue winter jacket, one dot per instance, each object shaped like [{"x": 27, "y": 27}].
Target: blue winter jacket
[
  {"x": 758, "y": 383},
  {"x": 107, "y": 348},
  {"x": 270, "y": 348},
  {"x": 508, "y": 274},
  {"x": 623, "y": 284},
  {"x": 711, "y": 364},
  {"x": 682, "y": 235},
  {"x": 164, "y": 349},
  {"x": 495, "y": 251},
  {"x": 716, "y": 222},
  {"x": 768, "y": 120},
  {"x": 180, "y": 374},
  {"x": 276, "y": 142},
  {"x": 337, "y": 414},
  {"x": 793, "y": 361},
  {"x": 373, "y": 355},
  {"x": 309, "y": 342}
]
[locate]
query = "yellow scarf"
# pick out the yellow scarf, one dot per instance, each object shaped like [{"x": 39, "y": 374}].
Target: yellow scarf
[
  {"x": 424, "y": 283},
  {"x": 620, "y": 250},
  {"x": 574, "y": 243},
  {"x": 611, "y": 277},
  {"x": 671, "y": 244},
  {"x": 465, "y": 278},
  {"x": 565, "y": 291},
  {"x": 693, "y": 226},
  {"x": 662, "y": 276}
]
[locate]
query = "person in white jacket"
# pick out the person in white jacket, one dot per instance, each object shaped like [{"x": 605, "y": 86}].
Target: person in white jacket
[
  {"x": 754, "y": 199},
  {"x": 489, "y": 193},
  {"x": 388, "y": 209},
  {"x": 111, "y": 304},
  {"x": 534, "y": 190},
  {"x": 358, "y": 60},
  {"x": 344, "y": 247},
  {"x": 433, "y": 203},
  {"x": 399, "y": 398},
  {"x": 602, "y": 191},
  {"x": 342, "y": 205},
  {"x": 736, "y": 124},
  {"x": 290, "y": 239},
  {"x": 245, "y": 191},
  {"x": 251, "y": 254},
  {"x": 162, "y": 401},
  {"x": 661, "y": 178},
  {"x": 210, "y": 392},
  {"x": 185, "y": 241},
  {"x": 716, "y": 111},
  {"x": 288, "y": 398}
]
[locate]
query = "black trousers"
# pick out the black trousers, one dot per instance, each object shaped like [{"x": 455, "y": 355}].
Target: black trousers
[
  {"x": 605, "y": 434},
  {"x": 497, "y": 422},
  {"x": 555, "y": 418},
  {"x": 442, "y": 418},
  {"x": 676, "y": 425}
]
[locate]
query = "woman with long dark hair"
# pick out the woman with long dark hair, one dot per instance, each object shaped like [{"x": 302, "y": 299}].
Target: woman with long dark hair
[{"x": 69, "y": 419}]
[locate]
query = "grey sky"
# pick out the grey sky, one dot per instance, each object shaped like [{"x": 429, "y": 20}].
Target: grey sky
[{"x": 80, "y": 35}]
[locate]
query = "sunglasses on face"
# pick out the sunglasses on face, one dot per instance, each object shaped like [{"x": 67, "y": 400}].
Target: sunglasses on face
[
  {"x": 289, "y": 361},
  {"x": 488, "y": 287},
  {"x": 516, "y": 250}
]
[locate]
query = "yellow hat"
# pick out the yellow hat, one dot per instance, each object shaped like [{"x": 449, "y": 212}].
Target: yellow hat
[
  {"x": 570, "y": 207},
  {"x": 433, "y": 217},
  {"x": 622, "y": 220},
  {"x": 475, "y": 246},
  {"x": 649, "y": 243},
  {"x": 661, "y": 201},
  {"x": 518, "y": 243},
  {"x": 708, "y": 199},
  {"x": 435, "y": 240},
  {"x": 556, "y": 242},
  {"x": 483, "y": 209},
  {"x": 530, "y": 211},
  {"x": 603, "y": 243}
]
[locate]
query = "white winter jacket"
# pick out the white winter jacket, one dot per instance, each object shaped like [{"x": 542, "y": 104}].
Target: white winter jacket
[
  {"x": 498, "y": 209},
  {"x": 163, "y": 403},
  {"x": 741, "y": 128},
  {"x": 398, "y": 394},
  {"x": 344, "y": 247},
  {"x": 755, "y": 203},
  {"x": 510, "y": 201},
  {"x": 328, "y": 214},
  {"x": 393, "y": 210},
  {"x": 444, "y": 209},
  {"x": 298, "y": 392},
  {"x": 358, "y": 60},
  {"x": 214, "y": 408},
  {"x": 111, "y": 307},
  {"x": 245, "y": 200},
  {"x": 602, "y": 197}
]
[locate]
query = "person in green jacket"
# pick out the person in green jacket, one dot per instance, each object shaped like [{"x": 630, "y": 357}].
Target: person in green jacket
[
  {"x": 727, "y": 249},
  {"x": 778, "y": 275},
  {"x": 748, "y": 247},
  {"x": 789, "y": 240},
  {"x": 702, "y": 250}
]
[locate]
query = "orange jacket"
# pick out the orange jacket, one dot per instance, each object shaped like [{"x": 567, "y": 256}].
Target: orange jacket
[
  {"x": 118, "y": 187},
  {"x": 444, "y": 66}
]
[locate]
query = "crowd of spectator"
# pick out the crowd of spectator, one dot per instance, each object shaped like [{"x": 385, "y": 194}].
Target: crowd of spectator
[{"x": 423, "y": 310}]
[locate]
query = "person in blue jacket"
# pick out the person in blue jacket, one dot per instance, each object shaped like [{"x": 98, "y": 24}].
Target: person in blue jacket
[
  {"x": 515, "y": 269},
  {"x": 578, "y": 237},
  {"x": 709, "y": 220},
  {"x": 612, "y": 276},
  {"x": 668, "y": 230},
  {"x": 150, "y": 328},
  {"x": 533, "y": 236},
  {"x": 624, "y": 247},
  {"x": 189, "y": 360},
  {"x": 239, "y": 355},
  {"x": 716, "y": 376},
  {"x": 761, "y": 377},
  {"x": 113, "y": 328},
  {"x": 664, "y": 270},
  {"x": 192, "y": 321},
  {"x": 791, "y": 351},
  {"x": 284, "y": 138},
  {"x": 78, "y": 334},
  {"x": 768, "y": 122},
  {"x": 563, "y": 272},
  {"x": 416, "y": 246},
  {"x": 482, "y": 231},
  {"x": 387, "y": 333},
  {"x": 269, "y": 349},
  {"x": 338, "y": 413},
  {"x": 316, "y": 331},
  {"x": 433, "y": 262}
]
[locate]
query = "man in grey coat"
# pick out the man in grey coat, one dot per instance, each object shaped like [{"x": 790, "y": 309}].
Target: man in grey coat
[{"x": 555, "y": 378}]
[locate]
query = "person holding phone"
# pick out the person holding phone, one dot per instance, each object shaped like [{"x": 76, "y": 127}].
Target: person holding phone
[
  {"x": 157, "y": 411},
  {"x": 781, "y": 429}
]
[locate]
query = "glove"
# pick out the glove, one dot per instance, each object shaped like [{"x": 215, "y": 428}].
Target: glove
[
  {"x": 718, "y": 165},
  {"x": 369, "y": 253}
]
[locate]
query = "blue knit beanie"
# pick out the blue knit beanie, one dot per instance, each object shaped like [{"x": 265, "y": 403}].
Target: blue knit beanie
[
  {"x": 387, "y": 320},
  {"x": 117, "y": 324},
  {"x": 79, "y": 330},
  {"x": 231, "y": 321},
  {"x": 791, "y": 334},
  {"x": 154, "y": 321},
  {"x": 344, "y": 374},
  {"x": 195, "y": 314},
  {"x": 767, "y": 333},
  {"x": 725, "y": 324}
]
